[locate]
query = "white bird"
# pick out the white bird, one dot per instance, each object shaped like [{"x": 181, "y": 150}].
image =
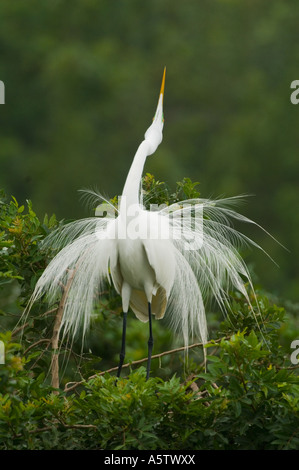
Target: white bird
[{"x": 174, "y": 258}]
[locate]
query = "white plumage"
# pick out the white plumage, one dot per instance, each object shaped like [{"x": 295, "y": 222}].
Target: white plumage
[{"x": 157, "y": 260}]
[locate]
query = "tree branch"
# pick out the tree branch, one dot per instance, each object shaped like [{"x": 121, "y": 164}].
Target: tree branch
[
  {"x": 17, "y": 330},
  {"x": 69, "y": 387},
  {"x": 35, "y": 344}
]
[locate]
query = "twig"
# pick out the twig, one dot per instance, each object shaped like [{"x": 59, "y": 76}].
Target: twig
[
  {"x": 139, "y": 361},
  {"x": 35, "y": 344},
  {"x": 78, "y": 426},
  {"x": 288, "y": 368},
  {"x": 22, "y": 327},
  {"x": 52, "y": 310},
  {"x": 67, "y": 426},
  {"x": 40, "y": 356},
  {"x": 16, "y": 331}
]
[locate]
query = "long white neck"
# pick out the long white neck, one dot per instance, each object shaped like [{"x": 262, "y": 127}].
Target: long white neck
[
  {"x": 131, "y": 191},
  {"x": 152, "y": 139}
]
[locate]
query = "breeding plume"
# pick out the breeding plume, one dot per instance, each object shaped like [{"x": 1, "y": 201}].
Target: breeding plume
[{"x": 170, "y": 260}]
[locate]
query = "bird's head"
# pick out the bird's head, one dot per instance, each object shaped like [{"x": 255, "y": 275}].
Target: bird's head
[{"x": 154, "y": 134}]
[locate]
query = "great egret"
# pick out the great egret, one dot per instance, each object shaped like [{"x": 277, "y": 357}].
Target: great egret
[{"x": 174, "y": 258}]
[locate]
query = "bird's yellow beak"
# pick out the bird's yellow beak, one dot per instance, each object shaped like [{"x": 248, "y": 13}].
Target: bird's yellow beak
[
  {"x": 163, "y": 84},
  {"x": 159, "y": 111},
  {"x": 154, "y": 135}
]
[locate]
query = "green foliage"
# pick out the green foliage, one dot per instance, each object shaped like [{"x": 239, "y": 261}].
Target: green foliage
[
  {"x": 21, "y": 230},
  {"x": 158, "y": 192},
  {"x": 247, "y": 398},
  {"x": 242, "y": 402},
  {"x": 77, "y": 106}
]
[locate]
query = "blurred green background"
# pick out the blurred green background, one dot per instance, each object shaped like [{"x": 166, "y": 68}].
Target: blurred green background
[{"x": 81, "y": 86}]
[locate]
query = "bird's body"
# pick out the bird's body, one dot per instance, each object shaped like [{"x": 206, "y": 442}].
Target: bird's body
[
  {"x": 158, "y": 261},
  {"x": 132, "y": 256},
  {"x": 143, "y": 273}
]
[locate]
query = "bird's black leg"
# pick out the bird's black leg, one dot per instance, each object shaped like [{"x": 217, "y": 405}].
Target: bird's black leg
[
  {"x": 150, "y": 341},
  {"x": 123, "y": 344}
]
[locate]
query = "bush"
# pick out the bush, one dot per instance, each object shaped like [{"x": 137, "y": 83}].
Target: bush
[
  {"x": 247, "y": 398},
  {"x": 243, "y": 401}
]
